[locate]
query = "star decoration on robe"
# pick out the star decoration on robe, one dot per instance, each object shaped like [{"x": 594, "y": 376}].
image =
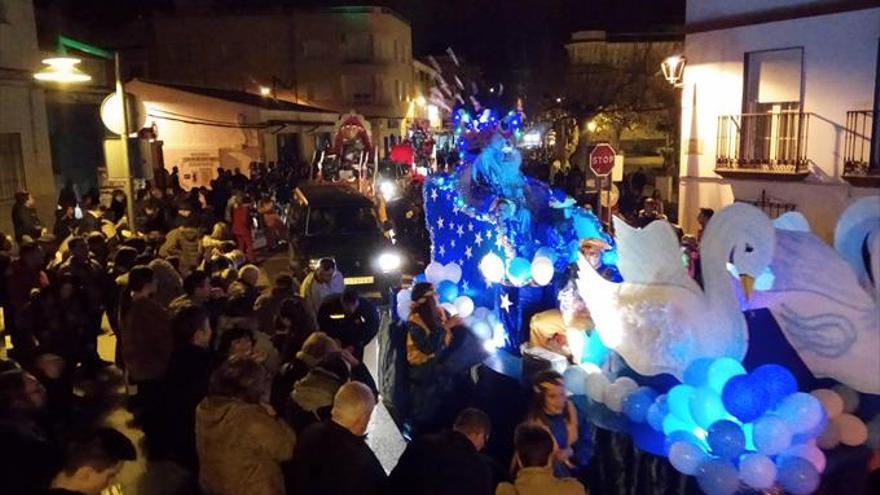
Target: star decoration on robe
[
  {"x": 434, "y": 195},
  {"x": 460, "y": 231},
  {"x": 478, "y": 240},
  {"x": 468, "y": 252},
  {"x": 452, "y": 243},
  {"x": 505, "y": 303},
  {"x": 470, "y": 227},
  {"x": 488, "y": 234},
  {"x": 464, "y": 286},
  {"x": 455, "y": 209},
  {"x": 440, "y": 222},
  {"x": 450, "y": 226},
  {"x": 442, "y": 250},
  {"x": 499, "y": 241}
]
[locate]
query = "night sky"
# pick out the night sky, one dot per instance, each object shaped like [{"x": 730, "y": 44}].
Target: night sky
[{"x": 510, "y": 39}]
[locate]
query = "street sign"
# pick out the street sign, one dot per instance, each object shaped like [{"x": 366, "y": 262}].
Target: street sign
[{"x": 602, "y": 159}]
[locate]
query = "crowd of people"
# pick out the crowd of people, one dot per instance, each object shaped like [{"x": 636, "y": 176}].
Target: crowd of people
[{"x": 249, "y": 390}]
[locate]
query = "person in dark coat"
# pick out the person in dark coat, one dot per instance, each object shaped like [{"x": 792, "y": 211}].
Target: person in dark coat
[
  {"x": 189, "y": 372},
  {"x": 24, "y": 217},
  {"x": 354, "y": 322},
  {"x": 267, "y": 306},
  {"x": 90, "y": 462},
  {"x": 447, "y": 463},
  {"x": 243, "y": 293},
  {"x": 332, "y": 457}
]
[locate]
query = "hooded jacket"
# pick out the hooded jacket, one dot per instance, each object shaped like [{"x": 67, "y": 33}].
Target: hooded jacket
[
  {"x": 240, "y": 448},
  {"x": 186, "y": 243}
]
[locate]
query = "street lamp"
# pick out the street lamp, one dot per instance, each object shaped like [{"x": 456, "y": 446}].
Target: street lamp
[
  {"x": 673, "y": 68},
  {"x": 63, "y": 69}
]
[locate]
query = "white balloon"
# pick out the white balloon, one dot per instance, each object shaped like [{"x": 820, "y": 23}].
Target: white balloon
[
  {"x": 830, "y": 400},
  {"x": 627, "y": 383},
  {"x": 450, "y": 308},
  {"x": 492, "y": 268},
  {"x": 452, "y": 272},
  {"x": 614, "y": 395},
  {"x": 542, "y": 270},
  {"x": 596, "y": 385},
  {"x": 482, "y": 330},
  {"x": 481, "y": 313},
  {"x": 590, "y": 368},
  {"x": 464, "y": 305},
  {"x": 575, "y": 380},
  {"x": 403, "y": 311},
  {"x": 434, "y": 272},
  {"x": 404, "y": 296},
  {"x": 853, "y": 431}
]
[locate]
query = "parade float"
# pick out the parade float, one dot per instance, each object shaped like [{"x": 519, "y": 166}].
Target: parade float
[{"x": 748, "y": 383}]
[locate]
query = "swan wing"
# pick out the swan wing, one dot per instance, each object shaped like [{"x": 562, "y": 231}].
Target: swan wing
[
  {"x": 860, "y": 224},
  {"x": 651, "y": 255},
  {"x": 648, "y": 325}
]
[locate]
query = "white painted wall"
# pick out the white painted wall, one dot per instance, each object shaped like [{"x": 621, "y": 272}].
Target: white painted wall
[
  {"x": 839, "y": 72},
  {"x": 703, "y": 10},
  {"x": 23, "y": 109}
]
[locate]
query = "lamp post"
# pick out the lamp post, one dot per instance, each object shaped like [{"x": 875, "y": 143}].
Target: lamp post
[
  {"x": 673, "y": 69},
  {"x": 62, "y": 69}
]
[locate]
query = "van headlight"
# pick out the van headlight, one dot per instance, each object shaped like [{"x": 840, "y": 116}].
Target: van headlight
[
  {"x": 388, "y": 189},
  {"x": 389, "y": 262}
]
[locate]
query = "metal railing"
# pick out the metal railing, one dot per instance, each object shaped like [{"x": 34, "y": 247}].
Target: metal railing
[
  {"x": 857, "y": 144},
  {"x": 763, "y": 142}
]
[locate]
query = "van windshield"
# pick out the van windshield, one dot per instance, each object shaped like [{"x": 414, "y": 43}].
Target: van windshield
[{"x": 352, "y": 220}]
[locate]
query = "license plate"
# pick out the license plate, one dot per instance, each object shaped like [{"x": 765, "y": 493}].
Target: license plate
[{"x": 358, "y": 280}]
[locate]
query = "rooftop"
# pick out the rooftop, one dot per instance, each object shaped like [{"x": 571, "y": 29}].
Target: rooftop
[{"x": 242, "y": 97}]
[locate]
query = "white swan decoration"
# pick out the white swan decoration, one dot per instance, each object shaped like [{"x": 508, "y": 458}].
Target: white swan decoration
[
  {"x": 826, "y": 302},
  {"x": 658, "y": 319}
]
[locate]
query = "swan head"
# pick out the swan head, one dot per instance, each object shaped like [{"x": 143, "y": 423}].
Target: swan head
[{"x": 745, "y": 236}]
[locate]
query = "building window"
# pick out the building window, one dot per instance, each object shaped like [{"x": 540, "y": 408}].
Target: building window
[
  {"x": 358, "y": 47},
  {"x": 359, "y": 88},
  {"x": 773, "y": 126},
  {"x": 314, "y": 50},
  {"x": 12, "y": 177}
]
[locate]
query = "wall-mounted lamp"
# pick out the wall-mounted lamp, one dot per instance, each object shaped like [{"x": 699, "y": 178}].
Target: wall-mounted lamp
[{"x": 673, "y": 68}]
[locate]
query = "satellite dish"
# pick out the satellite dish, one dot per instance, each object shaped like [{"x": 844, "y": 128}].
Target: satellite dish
[
  {"x": 609, "y": 198},
  {"x": 111, "y": 113}
]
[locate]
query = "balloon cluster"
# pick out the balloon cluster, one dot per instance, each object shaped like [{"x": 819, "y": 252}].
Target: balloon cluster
[
  {"x": 483, "y": 322},
  {"x": 728, "y": 427},
  {"x": 519, "y": 271}
]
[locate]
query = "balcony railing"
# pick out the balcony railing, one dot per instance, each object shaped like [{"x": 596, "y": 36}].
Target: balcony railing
[
  {"x": 857, "y": 146},
  {"x": 763, "y": 145}
]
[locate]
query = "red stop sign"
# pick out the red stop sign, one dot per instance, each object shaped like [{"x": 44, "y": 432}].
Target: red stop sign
[{"x": 602, "y": 159}]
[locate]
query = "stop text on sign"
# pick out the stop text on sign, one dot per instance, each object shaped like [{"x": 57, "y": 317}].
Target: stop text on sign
[{"x": 602, "y": 159}]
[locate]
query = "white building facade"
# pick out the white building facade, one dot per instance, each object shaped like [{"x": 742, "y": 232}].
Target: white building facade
[
  {"x": 25, "y": 156},
  {"x": 779, "y": 99}
]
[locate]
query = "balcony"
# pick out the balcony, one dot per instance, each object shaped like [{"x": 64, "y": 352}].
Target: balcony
[
  {"x": 860, "y": 165},
  {"x": 763, "y": 146}
]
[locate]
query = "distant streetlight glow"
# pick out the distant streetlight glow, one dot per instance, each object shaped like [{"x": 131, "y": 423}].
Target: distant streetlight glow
[
  {"x": 673, "y": 68},
  {"x": 592, "y": 126},
  {"x": 558, "y": 99},
  {"x": 420, "y": 101},
  {"x": 265, "y": 90},
  {"x": 62, "y": 70}
]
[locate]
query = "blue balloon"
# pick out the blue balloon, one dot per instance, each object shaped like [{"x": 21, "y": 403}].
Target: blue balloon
[
  {"x": 706, "y": 407},
  {"x": 594, "y": 350},
  {"x": 636, "y": 404},
  {"x": 718, "y": 477},
  {"x": 771, "y": 434},
  {"x": 723, "y": 369},
  {"x": 726, "y": 439},
  {"x": 447, "y": 291},
  {"x": 744, "y": 398},
  {"x": 519, "y": 270},
  {"x": 420, "y": 278},
  {"x": 796, "y": 475},
  {"x": 697, "y": 373},
  {"x": 575, "y": 379},
  {"x": 776, "y": 381},
  {"x": 802, "y": 411},
  {"x": 657, "y": 413},
  {"x": 680, "y": 402}
]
